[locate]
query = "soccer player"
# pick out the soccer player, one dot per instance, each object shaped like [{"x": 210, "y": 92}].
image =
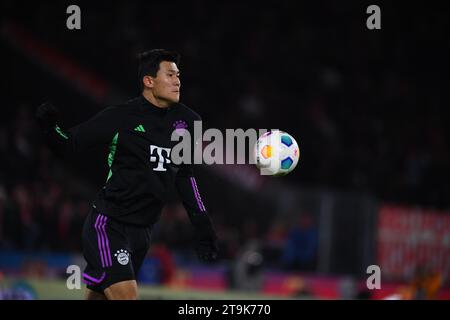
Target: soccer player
[{"x": 116, "y": 233}]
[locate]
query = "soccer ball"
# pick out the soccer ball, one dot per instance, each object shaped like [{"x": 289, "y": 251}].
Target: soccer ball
[{"x": 276, "y": 153}]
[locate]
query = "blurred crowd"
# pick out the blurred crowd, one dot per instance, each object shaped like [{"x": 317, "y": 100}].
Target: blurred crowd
[
  {"x": 365, "y": 106},
  {"x": 42, "y": 205}
]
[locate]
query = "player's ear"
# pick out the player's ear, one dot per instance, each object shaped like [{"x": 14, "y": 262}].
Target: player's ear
[{"x": 147, "y": 81}]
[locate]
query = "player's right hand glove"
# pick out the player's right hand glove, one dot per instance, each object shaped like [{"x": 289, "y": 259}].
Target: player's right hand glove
[
  {"x": 47, "y": 115},
  {"x": 207, "y": 248},
  {"x": 206, "y": 243}
]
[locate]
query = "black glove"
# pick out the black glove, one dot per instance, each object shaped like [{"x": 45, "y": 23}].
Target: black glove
[
  {"x": 206, "y": 244},
  {"x": 207, "y": 248},
  {"x": 47, "y": 116}
]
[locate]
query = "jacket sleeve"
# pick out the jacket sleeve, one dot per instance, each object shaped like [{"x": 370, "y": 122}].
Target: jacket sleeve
[
  {"x": 189, "y": 191},
  {"x": 98, "y": 130}
]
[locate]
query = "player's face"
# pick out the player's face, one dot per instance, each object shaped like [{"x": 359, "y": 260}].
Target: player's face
[{"x": 166, "y": 85}]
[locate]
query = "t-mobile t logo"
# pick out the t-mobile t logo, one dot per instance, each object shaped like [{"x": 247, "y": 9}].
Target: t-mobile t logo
[{"x": 163, "y": 155}]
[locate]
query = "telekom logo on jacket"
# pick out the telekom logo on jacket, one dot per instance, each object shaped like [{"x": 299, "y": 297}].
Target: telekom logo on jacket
[{"x": 161, "y": 156}]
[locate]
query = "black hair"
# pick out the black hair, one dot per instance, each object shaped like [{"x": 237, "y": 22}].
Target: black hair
[{"x": 149, "y": 62}]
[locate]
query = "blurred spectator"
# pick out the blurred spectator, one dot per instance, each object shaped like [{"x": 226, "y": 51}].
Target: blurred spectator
[
  {"x": 166, "y": 265},
  {"x": 275, "y": 240},
  {"x": 300, "y": 251},
  {"x": 424, "y": 285},
  {"x": 247, "y": 269}
]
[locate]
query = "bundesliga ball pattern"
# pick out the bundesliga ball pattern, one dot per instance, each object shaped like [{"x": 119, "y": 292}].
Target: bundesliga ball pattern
[{"x": 276, "y": 153}]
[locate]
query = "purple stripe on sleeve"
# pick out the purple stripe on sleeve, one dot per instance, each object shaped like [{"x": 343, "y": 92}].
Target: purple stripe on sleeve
[
  {"x": 197, "y": 195},
  {"x": 198, "y": 192}
]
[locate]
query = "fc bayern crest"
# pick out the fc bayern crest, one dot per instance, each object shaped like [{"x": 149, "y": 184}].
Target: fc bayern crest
[{"x": 123, "y": 257}]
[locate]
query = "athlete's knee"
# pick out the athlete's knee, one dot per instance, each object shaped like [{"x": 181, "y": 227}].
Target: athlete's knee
[
  {"x": 93, "y": 295},
  {"x": 124, "y": 290}
]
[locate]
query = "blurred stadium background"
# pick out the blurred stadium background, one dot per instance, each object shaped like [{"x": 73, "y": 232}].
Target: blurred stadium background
[{"x": 367, "y": 108}]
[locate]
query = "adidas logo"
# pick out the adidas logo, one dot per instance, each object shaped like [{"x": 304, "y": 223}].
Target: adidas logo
[{"x": 139, "y": 128}]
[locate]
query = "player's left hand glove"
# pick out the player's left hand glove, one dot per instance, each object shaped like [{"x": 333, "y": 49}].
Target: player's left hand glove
[{"x": 47, "y": 115}]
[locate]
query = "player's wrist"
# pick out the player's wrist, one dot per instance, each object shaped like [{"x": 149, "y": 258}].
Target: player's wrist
[
  {"x": 47, "y": 116},
  {"x": 204, "y": 227}
]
